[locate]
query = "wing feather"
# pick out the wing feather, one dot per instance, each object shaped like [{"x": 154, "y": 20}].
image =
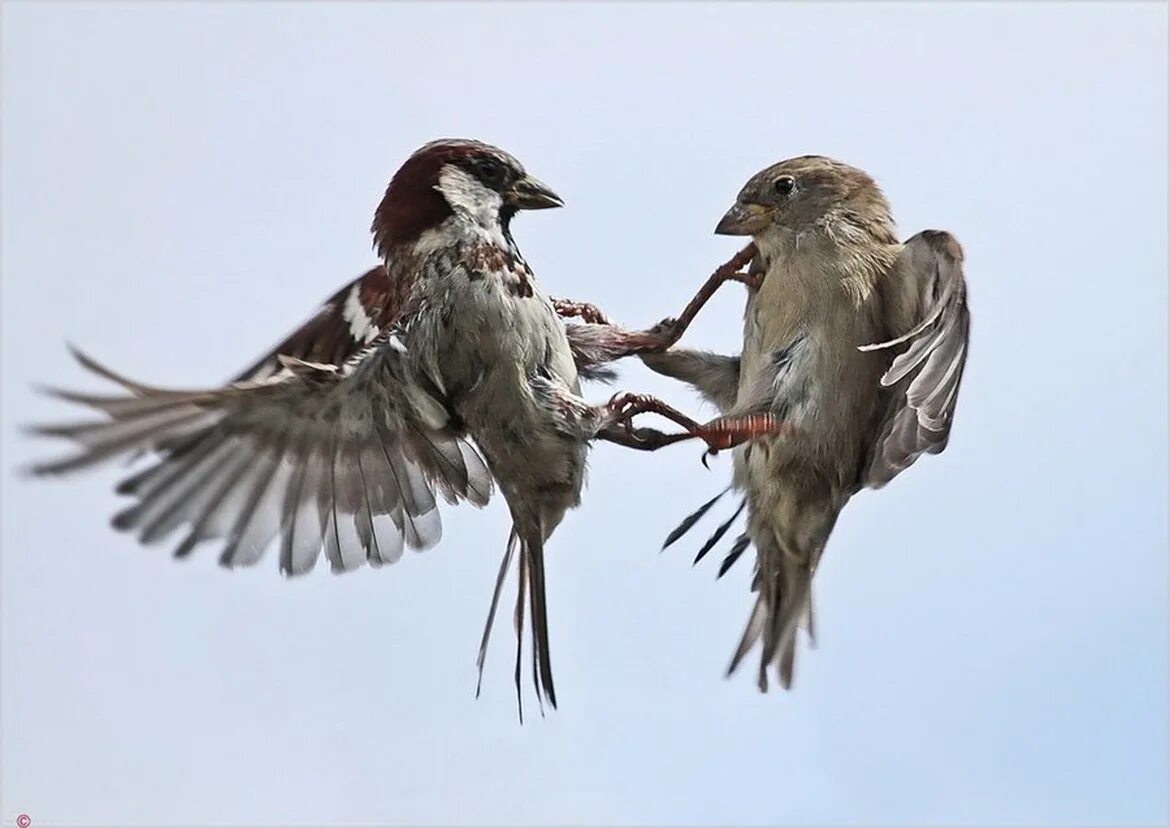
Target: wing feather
[
  {"x": 342, "y": 327},
  {"x": 924, "y": 295},
  {"x": 341, "y": 459}
]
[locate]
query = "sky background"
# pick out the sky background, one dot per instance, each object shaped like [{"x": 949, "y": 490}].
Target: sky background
[{"x": 184, "y": 184}]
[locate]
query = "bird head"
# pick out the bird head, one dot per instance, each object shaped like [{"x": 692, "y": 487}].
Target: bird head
[
  {"x": 805, "y": 193},
  {"x": 455, "y": 177}
]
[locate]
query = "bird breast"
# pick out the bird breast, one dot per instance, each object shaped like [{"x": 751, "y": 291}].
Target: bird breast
[
  {"x": 494, "y": 342},
  {"x": 801, "y": 332}
]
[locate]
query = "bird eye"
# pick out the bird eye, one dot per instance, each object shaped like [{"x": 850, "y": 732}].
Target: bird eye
[
  {"x": 784, "y": 184},
  {"x": 491, "y": 172}
]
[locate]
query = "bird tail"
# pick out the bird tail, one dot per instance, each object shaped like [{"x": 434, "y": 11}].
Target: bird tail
[
  {"x": 530, "y": 599},
  {"x": 783, "y": 587}
]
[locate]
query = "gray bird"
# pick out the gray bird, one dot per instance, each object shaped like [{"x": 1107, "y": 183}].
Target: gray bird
[
  {"x": 854, "y": 341},
  {"x": 443, "y": 369}
]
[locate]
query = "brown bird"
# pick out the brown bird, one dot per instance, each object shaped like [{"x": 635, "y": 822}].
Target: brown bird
[
  {"x": 853, "y": 340},
  {"x": 441, "y": 370}
]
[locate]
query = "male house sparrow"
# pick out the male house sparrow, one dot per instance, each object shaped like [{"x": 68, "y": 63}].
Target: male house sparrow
[
  {"x": 853, "y": 340},
  {"x": 341, "y": 436}
]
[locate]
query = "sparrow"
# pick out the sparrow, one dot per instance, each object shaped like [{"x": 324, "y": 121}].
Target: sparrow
[
  {"x": 854, "y": 341},
  {"x": 441, "y": 373}
]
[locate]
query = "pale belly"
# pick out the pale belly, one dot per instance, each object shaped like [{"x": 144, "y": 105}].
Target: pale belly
[
  {"x": 496, "y": 345},
  {"x": 808, "y": 368}
]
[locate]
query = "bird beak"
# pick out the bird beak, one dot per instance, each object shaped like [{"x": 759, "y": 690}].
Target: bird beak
[
  {"x": 743, "y": 220},
  {"x": 528, "y": 193}
]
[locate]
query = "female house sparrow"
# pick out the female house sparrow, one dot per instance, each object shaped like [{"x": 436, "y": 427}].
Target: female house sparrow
[
  {"x": 441, "y": 371},
  {"x": 856, "y": 341}
]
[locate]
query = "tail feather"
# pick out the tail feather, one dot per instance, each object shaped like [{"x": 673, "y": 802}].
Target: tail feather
[
  {"x": 518, "y": 618},
  {"x": 531, "y": 602},
  {"x": 751, "y": 634},
  {"x": 533, "y": 547},
  {"x": 784, "y": 598},
  {"x": 782, "y": 582},
  {"x": 737, "y": 549},
  {"x": 505, "y": 563}
]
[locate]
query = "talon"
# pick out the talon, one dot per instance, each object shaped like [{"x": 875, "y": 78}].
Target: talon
[
  {"x": 666, "y": 327},
  {"x": 664, "y": 334},
  {"x": 583, "y": 310},
  {"x": 619, "y": 402},
  {"x": 624, "y": 405}
]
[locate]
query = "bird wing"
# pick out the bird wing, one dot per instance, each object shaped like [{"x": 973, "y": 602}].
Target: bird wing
[
  {"x": 341, "y": 328},
  {"x": 342, "y": 458},
  {"x": 354, "y": 316},
  {"x": 924, "y": 304}
]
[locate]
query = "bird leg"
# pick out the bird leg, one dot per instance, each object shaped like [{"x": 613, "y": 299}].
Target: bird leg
[
  {"x": 670, "y": 330},
  {"x": 614, "y": 342},
  {"x": 728, "y": 432},
  {"x": 719, "y": 434},
  {"x": 640, "y": 438},
  {"x": 600, "y": 341}
]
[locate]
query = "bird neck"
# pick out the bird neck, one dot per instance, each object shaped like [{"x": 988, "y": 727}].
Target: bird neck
[{"x": 836, "y": 256}]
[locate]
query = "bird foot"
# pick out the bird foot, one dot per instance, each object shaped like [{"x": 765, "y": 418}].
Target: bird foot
[
  {"x": 662, "y": 336},
  {"x": 719, "y": 434},
  {"x": 625, "y": 406},
  {"x": 580, "y": 310}
]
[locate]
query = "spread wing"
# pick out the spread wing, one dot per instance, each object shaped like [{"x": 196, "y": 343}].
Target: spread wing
[
  {"x": 346, "y": 458},
  {"x": 356, "y": 315},
  {"x": 345, "y": 325},
  {"x": 924, "y": 302}
]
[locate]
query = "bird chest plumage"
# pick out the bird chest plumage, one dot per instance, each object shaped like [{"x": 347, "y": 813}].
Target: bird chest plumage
[{"x": 801, "y": 334}]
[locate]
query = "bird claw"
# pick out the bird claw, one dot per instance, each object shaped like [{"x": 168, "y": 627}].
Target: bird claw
[
  {"x": 625, "y": 406},
  {"x": 582, "y": 310},
  {"x": 719, "y": 434},
  {"x": 664, "y": 335}
]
